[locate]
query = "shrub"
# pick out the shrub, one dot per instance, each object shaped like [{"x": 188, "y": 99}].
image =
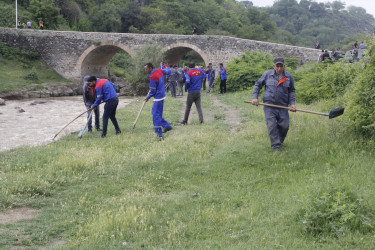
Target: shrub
[
  {"x": 335, "y": 212},
  {"x": 32, "y": 76},
  {"x": 245, "y": 70},
  {"x": 147, "y": 53},
  {"x": 22, "y": 55},
  {"x": 322, "y": 81},
  {"x": 360, "y": 108}
]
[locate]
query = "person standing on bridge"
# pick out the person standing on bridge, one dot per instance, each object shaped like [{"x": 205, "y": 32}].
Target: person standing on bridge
[
  {"x": 193, "y": 86},
  {"x": 157, "y": 90},
  {"x": 106, "y": 91},
  {"x": 279, "y": 90},
  {"x": 89, "y": 97}
]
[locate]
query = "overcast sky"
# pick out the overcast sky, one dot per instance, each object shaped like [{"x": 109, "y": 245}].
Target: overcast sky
[{"x": 368, "y": 5}]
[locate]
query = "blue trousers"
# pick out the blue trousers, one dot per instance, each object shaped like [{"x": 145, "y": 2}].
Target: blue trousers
[
  {"x": 277, "y": 121},
  {"x": 158, "y": 119},
  {"x": 110, "y": 113}
]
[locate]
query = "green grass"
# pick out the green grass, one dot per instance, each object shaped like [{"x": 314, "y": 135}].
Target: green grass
[
  {"x": 202, "y": 187},
  {"x": 12, "y": 75}
]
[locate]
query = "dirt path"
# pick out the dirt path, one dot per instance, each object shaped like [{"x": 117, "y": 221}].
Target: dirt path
[
  {"x": 230, "y": 115},
  {"x": 35, "y": 121}
]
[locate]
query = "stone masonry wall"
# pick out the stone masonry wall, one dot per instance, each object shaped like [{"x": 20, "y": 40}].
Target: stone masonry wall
[{"x": 73, "y": 53}]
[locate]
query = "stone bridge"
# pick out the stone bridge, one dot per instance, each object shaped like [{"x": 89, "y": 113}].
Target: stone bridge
[{"x": 75, "y": 54}]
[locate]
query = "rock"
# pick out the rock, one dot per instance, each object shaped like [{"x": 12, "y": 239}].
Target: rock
[
  {"x": 38, "y": 102},
  {"x": 2, "y": 101},
  {"x": 21, "y": 110}
]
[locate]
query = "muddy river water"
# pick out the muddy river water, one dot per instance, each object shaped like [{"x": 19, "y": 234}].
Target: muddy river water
[{"x": 36, "y": 121}]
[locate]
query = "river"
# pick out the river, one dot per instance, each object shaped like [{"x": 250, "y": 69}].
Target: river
[{"x": 32, "y": 122}]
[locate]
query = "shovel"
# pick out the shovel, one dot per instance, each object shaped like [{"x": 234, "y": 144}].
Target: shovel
[{"x": 332, "y": 114}]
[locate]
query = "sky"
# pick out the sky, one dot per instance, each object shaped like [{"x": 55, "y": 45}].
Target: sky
[{"x": 368, "y": 5}]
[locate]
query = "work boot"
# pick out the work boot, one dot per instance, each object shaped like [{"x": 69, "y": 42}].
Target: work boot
[
  {"x": 118, "y": 132},
  {"x": 167, "y": 129},
  {"x": 89, "y": 130},
  {"x": 99, "y": 129},
  {"x": 182, "y": 122}
]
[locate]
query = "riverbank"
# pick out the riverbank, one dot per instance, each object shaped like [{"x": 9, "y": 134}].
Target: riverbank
[{"x": 32, "y": 122}]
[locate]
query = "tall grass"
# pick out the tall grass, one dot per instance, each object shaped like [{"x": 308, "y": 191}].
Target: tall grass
[{"x": 202, "y": 187}]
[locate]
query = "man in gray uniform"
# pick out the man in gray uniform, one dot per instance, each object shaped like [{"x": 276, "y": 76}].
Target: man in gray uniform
[
  {"x": 172, "y": 80},
  {"x": 280, "y": 91},
  {"x": 89, "y": 97}
]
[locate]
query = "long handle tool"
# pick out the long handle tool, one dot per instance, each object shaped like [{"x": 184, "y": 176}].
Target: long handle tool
[
  {"x": 139, "y": 113},
  {"x": 68, "y": 124},
  {"x": 332, "y": 114},
  {"x": 87, "y": 123}
]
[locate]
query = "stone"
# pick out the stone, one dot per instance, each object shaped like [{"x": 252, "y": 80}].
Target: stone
[{"x": 2, "y": 101}]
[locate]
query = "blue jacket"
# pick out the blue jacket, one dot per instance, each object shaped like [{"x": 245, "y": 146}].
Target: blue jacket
[
  {"x": 223, "y": 73},
  {"x": 194, "y": 80},
  {"x": 105, "y": 90},
  {"x": 157, "y": 88},
  {"x": 277, "y": 91}
]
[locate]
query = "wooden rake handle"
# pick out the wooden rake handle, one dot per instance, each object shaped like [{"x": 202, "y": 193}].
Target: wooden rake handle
[
  {"x": 288, "y": 108},
  {"x": 139, "y": 113}
]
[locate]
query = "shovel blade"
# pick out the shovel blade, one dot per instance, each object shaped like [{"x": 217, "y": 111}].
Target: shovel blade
[{"x": 336, "y": 112}]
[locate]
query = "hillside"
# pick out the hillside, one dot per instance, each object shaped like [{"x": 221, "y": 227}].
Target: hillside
[{"x": 287, "y": 21}]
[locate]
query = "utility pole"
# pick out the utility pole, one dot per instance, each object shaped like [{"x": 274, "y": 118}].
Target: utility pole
[{"x": 16, "y": 16}]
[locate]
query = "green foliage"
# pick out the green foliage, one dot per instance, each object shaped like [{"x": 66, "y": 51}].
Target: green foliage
[
  {"x": 360, "y": 112},
  {"x": 121, "y": 64},
  {"x": 245, "y": 70},
  {"x": 32, "y": 75},
  {"x": 336, "y": 211},
  {"x": 22, "y": 55},
  {"x": 323, "y": 81},
  {"x": 147, "y": 53}
]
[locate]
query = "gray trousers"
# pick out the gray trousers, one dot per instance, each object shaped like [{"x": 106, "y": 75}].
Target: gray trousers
[
  {"x": 277, "y": 121},
  {"x": 196, "y": 98},
  {"x": 172, "y": 87},
  {"x": 180, "y": 88}
]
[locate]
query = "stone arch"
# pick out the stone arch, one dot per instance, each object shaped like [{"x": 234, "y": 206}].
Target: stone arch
[
  {"x": 175, "y": 52},
  {"x": 94, "y": 60}
]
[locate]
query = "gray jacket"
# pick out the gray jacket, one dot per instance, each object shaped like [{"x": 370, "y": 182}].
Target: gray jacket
[
  {"x": 283, "y": 95},
  {"x": 173, "y": 76},
  {"x": 88, "y": 98}
]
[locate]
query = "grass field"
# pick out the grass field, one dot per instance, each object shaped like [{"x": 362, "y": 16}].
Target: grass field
[
  {"x": 14, "y": 75},
  {"x": 202, "y": 187}
]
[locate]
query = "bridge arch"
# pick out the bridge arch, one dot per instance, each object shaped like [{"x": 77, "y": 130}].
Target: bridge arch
[
  {"x": 95, "y": 59},
  {"x": 175, "y": 52}
]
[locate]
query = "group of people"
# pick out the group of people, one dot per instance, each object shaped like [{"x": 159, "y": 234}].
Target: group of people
[
  {"x": 21, "y": 25},
  {"x": 176, "y": 79},
  {"x": 337, "y": 54},
  {"x": 96, "y": 90},
  {"x": 279, "y": 90}
]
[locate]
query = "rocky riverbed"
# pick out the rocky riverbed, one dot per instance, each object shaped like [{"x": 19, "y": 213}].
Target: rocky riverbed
[{"x": 31, "y": 122}]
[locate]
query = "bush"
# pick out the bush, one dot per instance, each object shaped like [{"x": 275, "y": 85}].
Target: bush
[
  {"x": 360, "y": 108},
  {"x": 138, "y": 78},
  {"x": 22, "y": 55},
  {"x": 322, "y": 81},
  {"x": 245, "y": 70},
  {"x": 335, "y": 212},
  {"x": 32, "y": 76}
]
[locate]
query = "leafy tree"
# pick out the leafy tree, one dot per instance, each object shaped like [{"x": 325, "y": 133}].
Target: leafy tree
[
  {"x": 45, "y": 11},
  {"x": 106, "y": 18}
]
